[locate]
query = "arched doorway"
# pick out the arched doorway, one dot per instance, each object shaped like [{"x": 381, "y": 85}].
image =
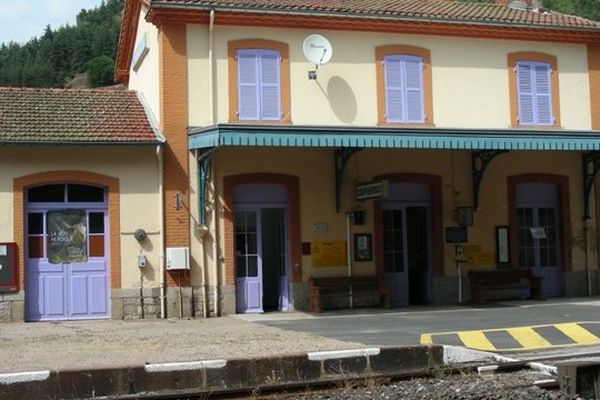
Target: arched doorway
[
  {"x": 261, "y": 247},
  {"x": 66, "y": 252}
]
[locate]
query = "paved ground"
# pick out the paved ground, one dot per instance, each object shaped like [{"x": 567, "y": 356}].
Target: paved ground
[
  {"x": 73, "y": 345},
  {"x": 517, "y": 329},
  {"x": 512, "y": 328}
]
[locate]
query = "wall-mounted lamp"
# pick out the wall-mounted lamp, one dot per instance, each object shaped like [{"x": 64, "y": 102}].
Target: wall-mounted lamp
[{"x": 178, "y": 201}]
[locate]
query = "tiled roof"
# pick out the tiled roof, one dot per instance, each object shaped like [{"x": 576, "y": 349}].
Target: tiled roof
[
  {"x": 65, "y": 116},
  {"x": 434, "y": 10}
]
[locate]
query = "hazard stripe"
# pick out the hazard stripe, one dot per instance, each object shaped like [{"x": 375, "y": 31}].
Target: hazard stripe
[
  {"x": 476, "y": 340},
  {"x": 578, "y": 334},
  {"x": 528, "y": 338}
]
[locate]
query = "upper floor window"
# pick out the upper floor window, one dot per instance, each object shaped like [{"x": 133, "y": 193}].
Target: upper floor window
[
  {"x": 259, "y": 81},
  {"x": 534, "y": 90},
  {"x": 404, "y": 85}
]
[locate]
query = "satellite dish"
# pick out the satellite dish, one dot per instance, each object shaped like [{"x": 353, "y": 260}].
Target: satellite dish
[{"x": 317, "y": 49}]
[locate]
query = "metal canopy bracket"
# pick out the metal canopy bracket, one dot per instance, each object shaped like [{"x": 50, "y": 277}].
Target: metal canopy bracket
[
  {"x": 479, "y": 161},
  {"x": 591, "y": 166},
  {"x": 341, "y": 159},
  {"x": 203, "y": 173}
]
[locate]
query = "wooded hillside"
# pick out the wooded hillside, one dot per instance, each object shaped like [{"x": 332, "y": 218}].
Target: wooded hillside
[
  {"x": 54, "y": 58},
  {"x": 90, "y": 46}
]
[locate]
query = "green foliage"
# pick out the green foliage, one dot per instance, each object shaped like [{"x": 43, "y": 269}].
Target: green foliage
[
  {"x": 55, "y": 57},
  {"x": 100, "y": 71}
]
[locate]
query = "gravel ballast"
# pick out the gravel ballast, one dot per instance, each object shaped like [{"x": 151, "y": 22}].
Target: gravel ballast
[{"x": 467, "y": 386}]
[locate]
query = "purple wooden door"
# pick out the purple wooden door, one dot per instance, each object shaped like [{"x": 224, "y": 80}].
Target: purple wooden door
[
  {"x": 402, "y": 257},
  {"x": 248, "y": 263},
  {"x": 61, "y": 285},
  {"x": 538, "y": 217},
  {"x": 261, "y": 247}
]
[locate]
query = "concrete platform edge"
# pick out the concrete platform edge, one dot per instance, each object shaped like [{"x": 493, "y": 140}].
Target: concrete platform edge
[{"x": 212, "y": 377}]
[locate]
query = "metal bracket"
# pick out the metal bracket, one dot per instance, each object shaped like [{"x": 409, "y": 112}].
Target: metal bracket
[
  {"x": 479, "y": 162},
  {"x": 204, "y": 162},
  {"x": 591, "y": 166},
  {"x": 341, "y": 159}
]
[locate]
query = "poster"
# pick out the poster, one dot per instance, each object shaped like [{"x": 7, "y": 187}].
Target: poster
[
  {"x": 474, "y": 255},
  {"x": 328, "y": 254},
  {"x": 67, "y": 238}
]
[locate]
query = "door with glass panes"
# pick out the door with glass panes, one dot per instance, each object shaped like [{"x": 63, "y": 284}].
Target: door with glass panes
[
  {"x": 538, "y": 227},
  {"x": 406, "y": 243},
  {"x": 66, "y": 253}
]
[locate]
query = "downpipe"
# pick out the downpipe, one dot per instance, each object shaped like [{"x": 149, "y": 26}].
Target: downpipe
[{"x": 163, "y": 297}]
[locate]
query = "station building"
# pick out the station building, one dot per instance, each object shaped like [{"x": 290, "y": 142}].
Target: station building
[{"x": 484, "y": 117}]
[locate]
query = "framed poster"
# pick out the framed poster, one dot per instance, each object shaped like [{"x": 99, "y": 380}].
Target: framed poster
[
  {"x": 67, "y": 236},
  {"x": 502, "y": 245},
  {"x": 363, "y": 247}
]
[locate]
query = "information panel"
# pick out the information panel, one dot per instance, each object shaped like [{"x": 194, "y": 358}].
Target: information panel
[{"x": 328, "y": 254}]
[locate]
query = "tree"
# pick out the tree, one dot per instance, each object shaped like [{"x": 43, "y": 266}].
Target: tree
[{"x": 100, "y": 71}]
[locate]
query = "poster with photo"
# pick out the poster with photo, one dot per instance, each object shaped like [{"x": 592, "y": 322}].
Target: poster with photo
[{"x": 67, "y": 236}]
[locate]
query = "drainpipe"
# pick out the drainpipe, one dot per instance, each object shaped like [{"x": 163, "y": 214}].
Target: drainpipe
[
  {"x": 211, "y": 67},
  {"x": 213, "y": 120},
  {"x": 163, "y": 299},
  {"x": 349, "y": 216},
  {"x": 215, "y": 236},
  {"x": 586, "y": 242}
]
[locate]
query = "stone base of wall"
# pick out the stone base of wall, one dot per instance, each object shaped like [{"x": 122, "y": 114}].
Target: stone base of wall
[
  {"x": 299, "y": 296},
  {"x": 445, "y": 290},
  {"x": 129, "y": 304},
  {"x": 576, "y": 283},
  {"x": 227, "y": 298},
  {"x": 12, "y": 307}
]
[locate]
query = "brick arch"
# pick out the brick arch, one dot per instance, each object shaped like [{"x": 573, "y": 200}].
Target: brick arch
[
  {"x": 292, "y": 185},
  {"x": 437, "y": 242},
  {"x": 562, "y": 184},
  {"x": 90, "y": 178}
]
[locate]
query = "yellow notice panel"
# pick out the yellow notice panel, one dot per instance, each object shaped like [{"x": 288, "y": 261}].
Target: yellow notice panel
[{"x": 328, "y": 254}]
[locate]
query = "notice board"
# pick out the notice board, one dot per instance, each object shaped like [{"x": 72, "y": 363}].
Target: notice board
[
  {"x": 329, "y": 254},
  {"x": 8, "y": 267}
]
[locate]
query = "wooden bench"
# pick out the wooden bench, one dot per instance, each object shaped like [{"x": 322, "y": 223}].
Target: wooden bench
[
  {"x": 503, "y": 280},
  {"x": 338, "y": 288}
]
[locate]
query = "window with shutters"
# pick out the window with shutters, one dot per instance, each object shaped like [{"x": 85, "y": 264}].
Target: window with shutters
[
  {"x": 259, "y": 81},
  {"x": 534, "y": 90},
  {"x": 404, "y": 85}
]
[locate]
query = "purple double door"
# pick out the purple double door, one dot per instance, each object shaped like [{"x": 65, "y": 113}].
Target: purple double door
[
  {"x": 66, "y": 269},
  {"x": 539, "y": 231},
  {"x": 261, "y": 255},
  {"x": 407, "y": 244}
]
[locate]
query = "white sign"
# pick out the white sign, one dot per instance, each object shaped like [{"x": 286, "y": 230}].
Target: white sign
[
  {"x": 538, "y": 233},
  {"x": 3, "y": 250},
  {"x": 372, "y": 190}
]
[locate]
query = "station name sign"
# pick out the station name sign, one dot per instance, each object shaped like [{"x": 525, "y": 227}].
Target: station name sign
[{"x": 372, "y": 190}]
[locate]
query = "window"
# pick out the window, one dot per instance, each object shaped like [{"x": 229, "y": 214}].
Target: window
[
  {"x": 404, "y": 85},
  {"x": 259, "y": 81},
  {"x": 534, "y": 90}
]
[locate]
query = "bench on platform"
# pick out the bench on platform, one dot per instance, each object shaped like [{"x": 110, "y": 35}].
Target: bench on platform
[
  {"x": 504, "y": 280},
  {"x": 337, "y": 290}
]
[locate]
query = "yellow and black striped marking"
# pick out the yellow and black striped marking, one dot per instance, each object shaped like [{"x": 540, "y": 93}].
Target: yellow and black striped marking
[{"x": 521, "y": 338}]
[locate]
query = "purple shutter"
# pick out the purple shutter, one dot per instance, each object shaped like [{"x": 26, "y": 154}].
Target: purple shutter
[
  {"x": 414, "y": 89},
  {"x": 525, "y": 93},
  {"x": 394, "y": 89},
  {"x": 543, "y": 93},
  {"x": 270, "y": 85},
  {"x": 248, "y": 90}
]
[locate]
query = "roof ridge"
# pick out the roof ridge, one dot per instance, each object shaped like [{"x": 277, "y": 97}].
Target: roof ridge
[{"x": 61, "y": 90}]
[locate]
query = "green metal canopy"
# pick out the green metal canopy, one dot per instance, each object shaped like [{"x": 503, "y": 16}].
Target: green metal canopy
[{"x": 229, "y": 135}]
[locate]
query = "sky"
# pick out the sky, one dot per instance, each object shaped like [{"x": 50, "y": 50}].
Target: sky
[{"x": 21, "y": 20}]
